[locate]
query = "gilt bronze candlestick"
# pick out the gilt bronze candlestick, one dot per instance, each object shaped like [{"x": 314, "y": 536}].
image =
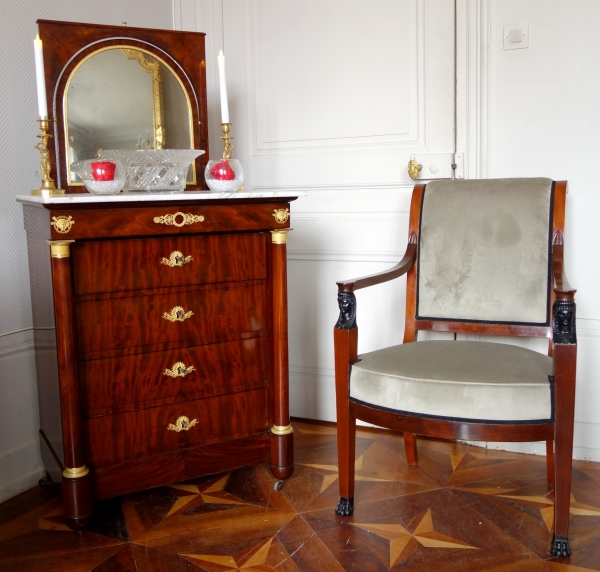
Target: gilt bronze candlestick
[
  {"x": 228, "y": 147},
  {"x": 48, "y": 187}
]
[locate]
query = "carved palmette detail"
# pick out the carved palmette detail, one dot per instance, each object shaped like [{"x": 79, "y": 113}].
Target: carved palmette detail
[
  {"x": 183, "y": 423},
  {"x": 281, "y": 216},
  {"x": 177, "y": 314},
  {"x": 178, "y": 219},
  {"x": 563, "y": 322},
  {"x": 347, "y": 304},
  {"x": 62, "y": 224},
  {"x": 179, "y": 370},
  {"x": 176, "y": 258}
]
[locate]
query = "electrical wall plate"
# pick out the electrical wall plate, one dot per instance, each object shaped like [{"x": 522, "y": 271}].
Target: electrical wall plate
[{"x": 516, "y": 37}]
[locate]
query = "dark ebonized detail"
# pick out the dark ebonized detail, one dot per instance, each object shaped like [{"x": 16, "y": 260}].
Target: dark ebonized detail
[
  {"x": 347, "y": 304},
  {"x": 560, "y": 547},
  {"x": 345, "y": 507},
  {"x": 563, "y": 322}
]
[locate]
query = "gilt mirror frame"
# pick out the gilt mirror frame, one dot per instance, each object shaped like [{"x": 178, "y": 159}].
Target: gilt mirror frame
[{"x": 67, "y": 44}]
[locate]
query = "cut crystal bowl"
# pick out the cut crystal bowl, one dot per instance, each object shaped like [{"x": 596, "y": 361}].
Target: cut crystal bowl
[{"x": 154, "y": 170}]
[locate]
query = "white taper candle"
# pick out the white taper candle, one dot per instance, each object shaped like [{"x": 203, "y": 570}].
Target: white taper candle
[
  {"x": 39, "y": 76},
  {"x": 223, "y": 88}
]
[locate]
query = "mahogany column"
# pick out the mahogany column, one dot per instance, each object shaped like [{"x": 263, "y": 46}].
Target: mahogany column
[
  {"x": 76, "y": 489},
  {"x": 282, "y": 434}
]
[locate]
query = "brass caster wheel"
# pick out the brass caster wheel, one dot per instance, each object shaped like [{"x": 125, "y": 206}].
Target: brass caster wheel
[{"x": 278, "y": 485}]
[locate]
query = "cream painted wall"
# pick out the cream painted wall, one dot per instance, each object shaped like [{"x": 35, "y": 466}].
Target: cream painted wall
[
  {"x": 536, "y": 112},
  {"x": 20, "y": 463}
]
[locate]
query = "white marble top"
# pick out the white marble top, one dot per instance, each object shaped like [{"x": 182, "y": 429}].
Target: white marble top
[{"x": 129, "y": 197}]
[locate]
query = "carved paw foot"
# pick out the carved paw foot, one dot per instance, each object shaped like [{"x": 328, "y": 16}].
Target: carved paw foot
[
  {"x": 345, "y": 507},
  {"x": 560, "y": 547}
]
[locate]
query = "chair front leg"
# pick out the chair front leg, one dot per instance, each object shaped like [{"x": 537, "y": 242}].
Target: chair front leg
[
  {"x": 345, "y": 338},
  {"x": 550, "y": 463},
  {"x": 565, "y": 361}
]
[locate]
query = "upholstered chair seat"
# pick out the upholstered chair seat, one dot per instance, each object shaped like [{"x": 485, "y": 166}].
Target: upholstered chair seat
[{"x": 456, "y": 380}]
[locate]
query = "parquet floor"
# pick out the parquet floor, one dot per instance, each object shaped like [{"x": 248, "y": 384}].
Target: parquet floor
[{"x": 462, "y": 509}]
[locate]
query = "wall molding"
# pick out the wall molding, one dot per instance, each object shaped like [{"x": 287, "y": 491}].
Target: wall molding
[
  {"x": 415, "y": 137},
  {"x": 325, "y": 256},
  {"x": 473, "y": 86},
  {"x": 14, "y": 343},
  {"x": 362, "y": 216},
  {"x": 347, "y": 189}
]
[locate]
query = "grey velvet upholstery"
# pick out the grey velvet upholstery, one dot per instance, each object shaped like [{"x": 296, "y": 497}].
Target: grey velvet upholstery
[
  {"x": 484, "y": 251},
  {"x": 456, "y": 379}
]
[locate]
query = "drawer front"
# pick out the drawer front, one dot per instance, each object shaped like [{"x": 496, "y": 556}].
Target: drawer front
[
  {"x": 149, "y": 380},
  {"x": 136, "y": 264},
  {"x": 206, "y": 316},
  {"x": 117, "y": 438},
  {"x": 176, "y": 219}
]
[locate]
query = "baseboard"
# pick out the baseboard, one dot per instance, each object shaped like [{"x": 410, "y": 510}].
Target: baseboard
[
  {"x": 20, "y": 462},
  {"x": 20, "y": 469}
]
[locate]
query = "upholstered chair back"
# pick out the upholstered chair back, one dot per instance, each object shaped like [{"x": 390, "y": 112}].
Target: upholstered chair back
[{"x": 485, "y": 251}]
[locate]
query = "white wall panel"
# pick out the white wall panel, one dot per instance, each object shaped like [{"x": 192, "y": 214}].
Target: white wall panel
[
  {"x": 331, "y": 93},
  {"x": 331, "y": 98},
  {"x": 315, "y": 60}
]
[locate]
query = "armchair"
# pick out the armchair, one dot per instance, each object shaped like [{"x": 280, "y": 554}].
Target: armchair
[{"x": 483, "y": 257}]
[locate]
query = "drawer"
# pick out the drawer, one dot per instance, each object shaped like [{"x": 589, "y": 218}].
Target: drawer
[
  {"x": 136, "y": 264},
  {"x": 205, "y": 315},
  {"x": 168, "y": 220},
  {"x": 117, "y": 438},
  {"x": 149, "y": 380}
]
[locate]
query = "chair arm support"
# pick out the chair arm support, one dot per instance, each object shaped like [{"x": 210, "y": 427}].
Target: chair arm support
[
  {"x": 401, "y": 268},
  {"x": 561, "y": 285},
  {"x": 563, "y": 311}
]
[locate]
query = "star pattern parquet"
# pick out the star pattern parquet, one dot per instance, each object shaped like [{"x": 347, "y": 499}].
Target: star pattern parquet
[{"x": 460, "y": 509}]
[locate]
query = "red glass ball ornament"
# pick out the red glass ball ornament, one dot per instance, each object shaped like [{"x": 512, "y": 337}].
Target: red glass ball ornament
[
  {"x": 103, "y": 170},
  {"x": 222, "y": 171}
]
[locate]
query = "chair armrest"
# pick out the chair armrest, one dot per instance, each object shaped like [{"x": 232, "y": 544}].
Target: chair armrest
[
  {"x": 401, "y": 268},
  {"x": 562, "y": 289},
  {"x": 563, "y": 311}
]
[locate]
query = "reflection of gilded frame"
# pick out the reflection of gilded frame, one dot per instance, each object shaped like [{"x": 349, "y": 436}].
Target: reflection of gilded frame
[
  {"x": 193, "y": 178},
  {"x": 154, "y": 69}
]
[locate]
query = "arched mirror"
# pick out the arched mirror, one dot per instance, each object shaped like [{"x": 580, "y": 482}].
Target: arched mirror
[
  {"x": 112, "y": 87},
  {"x": 125, "y": 98}
]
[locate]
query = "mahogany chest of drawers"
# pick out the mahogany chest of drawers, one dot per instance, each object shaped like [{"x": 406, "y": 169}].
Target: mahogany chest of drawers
[{"x": 161, "y": 339}]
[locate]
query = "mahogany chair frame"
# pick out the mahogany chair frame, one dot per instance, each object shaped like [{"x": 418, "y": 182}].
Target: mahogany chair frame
[{"x": 561, "y": 333}]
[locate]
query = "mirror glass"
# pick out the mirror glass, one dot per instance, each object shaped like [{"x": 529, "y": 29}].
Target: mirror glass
[{"x": 125, "y": 98}]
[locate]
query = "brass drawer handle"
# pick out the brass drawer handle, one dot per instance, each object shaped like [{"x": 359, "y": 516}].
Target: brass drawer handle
[
  {"x": 183, "y": 423},
  {"x": 176, "y": 258},
  {"x": 179, "y": 370},
  {"x": 177, "y": 314},
  {"x": 178, "y": 219}
]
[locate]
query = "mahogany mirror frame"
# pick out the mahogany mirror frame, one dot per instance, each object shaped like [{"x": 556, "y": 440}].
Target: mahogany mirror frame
[{"x": 66, "y": 44}]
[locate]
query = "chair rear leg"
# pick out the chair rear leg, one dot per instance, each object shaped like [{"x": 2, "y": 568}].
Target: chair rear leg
[
  {"x": 550, "y": 463},
  {"x": 346, "y": 437},
  {"x": 410, "y": 446}
]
